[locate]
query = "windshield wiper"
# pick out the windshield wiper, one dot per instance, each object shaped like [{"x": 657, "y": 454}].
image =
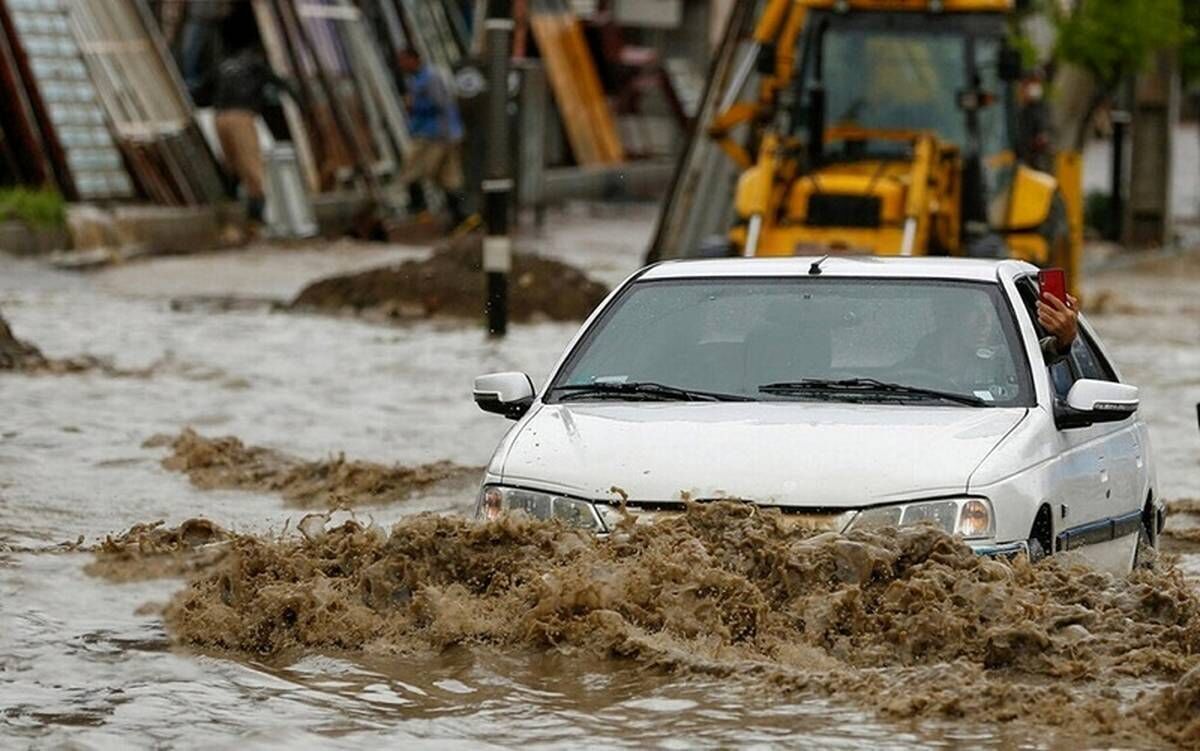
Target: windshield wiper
[
  {"x": 859, "y": 387},
  {"x": 645, "y": 389}
]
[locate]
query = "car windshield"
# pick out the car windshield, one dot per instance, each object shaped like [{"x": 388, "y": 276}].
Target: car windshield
[{"x": 805, "y": 338}]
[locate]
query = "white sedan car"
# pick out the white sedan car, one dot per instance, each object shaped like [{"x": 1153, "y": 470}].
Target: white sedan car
[{"x": 850, "y": 392}]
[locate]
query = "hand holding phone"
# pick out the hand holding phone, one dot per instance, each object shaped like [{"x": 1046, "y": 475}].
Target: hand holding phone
[
  {"x": 1053, "y": 282},
  {"x": 1057, "y": 316}
]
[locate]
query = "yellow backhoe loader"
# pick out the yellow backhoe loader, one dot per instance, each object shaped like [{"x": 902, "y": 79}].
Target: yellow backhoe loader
[{"x": 886, "y": 127}]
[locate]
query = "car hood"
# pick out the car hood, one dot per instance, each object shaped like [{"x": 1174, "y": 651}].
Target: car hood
[{"x": 788, "y": 454}]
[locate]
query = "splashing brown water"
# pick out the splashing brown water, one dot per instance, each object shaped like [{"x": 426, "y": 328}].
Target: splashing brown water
[
  {"x": 226, "y": 462},
  {"x": 909, "y": 622},
  {"x": 1182, "y": 532},
  {"x": 1187, "y": 534},
  {"x": 1184, "y": 506},
  {"x": 153, "y": 551}
]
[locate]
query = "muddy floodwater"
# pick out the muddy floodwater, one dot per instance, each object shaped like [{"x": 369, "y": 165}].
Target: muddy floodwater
[{"x": 107, "y": 647}]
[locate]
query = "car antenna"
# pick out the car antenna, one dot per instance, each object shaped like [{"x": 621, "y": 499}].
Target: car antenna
[{"x": 815, "y": 268}]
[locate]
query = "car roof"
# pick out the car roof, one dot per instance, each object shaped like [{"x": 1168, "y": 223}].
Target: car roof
[{"x": 855, "y": 266}]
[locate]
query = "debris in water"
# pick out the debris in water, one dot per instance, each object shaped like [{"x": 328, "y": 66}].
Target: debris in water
[
  {"x": 450, "y": 283},
  {"x": 1108, "y": 302},
  {"x": 1184, "y": 506},
  {"x": 227, "y": 463},
  {"x": 1186, "y": 534},
  {"x": 153, "y": 551},
  {"x": 909, "y": 622}
]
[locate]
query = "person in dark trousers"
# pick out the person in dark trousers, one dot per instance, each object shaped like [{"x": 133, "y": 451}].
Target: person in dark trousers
[
  {"x": 437, "y": 131},
  {"x": 245, "y": 86}
]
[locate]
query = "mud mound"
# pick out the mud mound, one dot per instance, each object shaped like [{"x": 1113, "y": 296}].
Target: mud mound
[
  {"x": 908, "y": 622},
  {"x": 152, "y": 551},
  {"x": 450, "y": 283},
  {"x": 20, "y": 356},
  {"x": 16, "y": 354},
  {"x": 227, "y": 463}
]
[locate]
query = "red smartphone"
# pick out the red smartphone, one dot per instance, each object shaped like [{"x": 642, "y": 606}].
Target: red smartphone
[{"x": 1053, "y": 282}]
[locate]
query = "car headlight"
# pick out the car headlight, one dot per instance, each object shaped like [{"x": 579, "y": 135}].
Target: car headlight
[
  {"x": 495, "y": 500},
  {"x": 970, "y": 517}
]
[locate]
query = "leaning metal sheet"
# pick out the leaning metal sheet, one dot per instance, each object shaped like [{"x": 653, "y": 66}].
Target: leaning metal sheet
[{"x": 62, "y": 80}]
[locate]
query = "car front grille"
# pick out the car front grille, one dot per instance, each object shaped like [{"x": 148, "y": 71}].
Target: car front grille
[{"x": 792, "y": 517}]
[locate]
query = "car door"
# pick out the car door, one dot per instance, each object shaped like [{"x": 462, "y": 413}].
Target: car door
[
  {"x": 1123, "y": 477},
  {"x": 1087, "y": 481}
]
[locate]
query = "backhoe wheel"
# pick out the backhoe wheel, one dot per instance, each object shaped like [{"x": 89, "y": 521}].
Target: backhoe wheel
[
  {"x": 715, "y": 246},
  {"x": 988, "y": 246}
]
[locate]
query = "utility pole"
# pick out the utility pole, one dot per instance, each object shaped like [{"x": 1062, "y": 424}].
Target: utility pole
[
  {"x": 498, "y": 180},
  {"x": 1121, "y": 119},
  {"x": 1155, "y": 114}
]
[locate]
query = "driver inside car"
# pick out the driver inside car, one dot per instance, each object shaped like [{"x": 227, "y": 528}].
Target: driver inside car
[{"x": 967, "y": 332}]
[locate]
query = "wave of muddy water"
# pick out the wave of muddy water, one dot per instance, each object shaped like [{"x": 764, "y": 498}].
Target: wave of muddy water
[
  {"x": 86, "y": 661},
  {"x": 910, "y": 623}
]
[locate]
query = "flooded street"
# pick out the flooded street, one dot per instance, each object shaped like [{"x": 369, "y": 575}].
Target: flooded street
[{"x": 195, "y": 342}]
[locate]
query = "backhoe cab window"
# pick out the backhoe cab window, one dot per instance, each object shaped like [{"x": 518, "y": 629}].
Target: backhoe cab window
[
  {"x": 880, "y": 79},
  {"x": 894, "y": 81}
]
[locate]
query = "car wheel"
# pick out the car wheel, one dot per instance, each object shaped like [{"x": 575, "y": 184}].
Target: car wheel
[{"x": 1036, "y": 551}]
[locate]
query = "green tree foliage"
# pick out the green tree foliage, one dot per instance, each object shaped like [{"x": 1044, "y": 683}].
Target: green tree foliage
[
  {"x": 1112, "y": 39},
  {"x": 1189, "y": 54}
]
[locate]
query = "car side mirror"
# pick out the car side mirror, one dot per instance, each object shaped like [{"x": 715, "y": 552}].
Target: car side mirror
[
  {"x": 508, "y": 394},
  {"x": 1091, "y": 401}
]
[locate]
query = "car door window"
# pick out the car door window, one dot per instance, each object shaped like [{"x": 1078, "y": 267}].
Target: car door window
[
  {"x": 1062, "y": 373},
  {"x": 1089, "y": 363}
]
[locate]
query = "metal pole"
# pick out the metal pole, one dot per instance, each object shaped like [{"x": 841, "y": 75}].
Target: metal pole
[
  {"x": 531, "y": 124},
  {"x": 1116, "y": 203},
  {"x": 498, "y": 182}
]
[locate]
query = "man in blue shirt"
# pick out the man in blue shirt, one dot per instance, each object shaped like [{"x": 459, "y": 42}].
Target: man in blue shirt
[{"x": 437, "y": 130}]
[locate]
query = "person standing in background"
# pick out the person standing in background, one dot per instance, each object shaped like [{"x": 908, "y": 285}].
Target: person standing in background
[
  {"x": 437, "y": 130},
  {"x": 196, "y": 39},
  {"x": 245, "y": 85}
]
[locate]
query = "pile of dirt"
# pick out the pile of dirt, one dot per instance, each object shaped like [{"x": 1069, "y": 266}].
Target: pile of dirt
[
  {"x": 451, "y": 283},
  {"x": 152, "y": 551},
  {"x": 16, "y": 354},
  {"x": 23, "y": 357},
  {"x": 227, "y": 463},
  {"x": 909, "y": 622}
]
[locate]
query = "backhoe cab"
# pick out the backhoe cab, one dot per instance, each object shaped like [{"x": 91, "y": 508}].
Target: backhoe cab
[{"x": 890, "y": 128}]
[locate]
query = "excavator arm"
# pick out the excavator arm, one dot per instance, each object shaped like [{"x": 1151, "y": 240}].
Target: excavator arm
[{"x": 775, "y": 38}]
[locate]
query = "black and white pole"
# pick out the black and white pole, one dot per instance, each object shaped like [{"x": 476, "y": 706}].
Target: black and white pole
[{"x": 498, "y": 180}]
